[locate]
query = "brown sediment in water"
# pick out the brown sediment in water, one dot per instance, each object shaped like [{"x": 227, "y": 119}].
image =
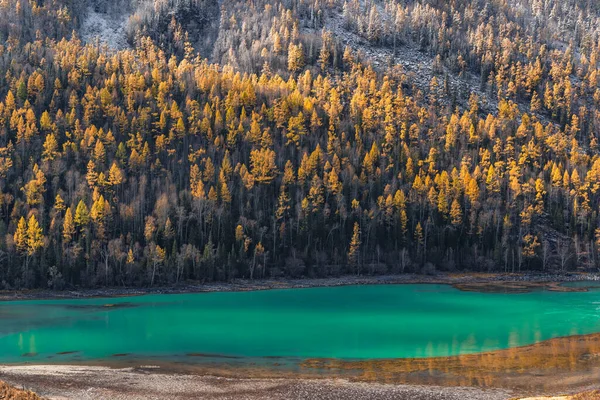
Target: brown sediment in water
[
  {"x": 561, "y": 364},
  {"x": 209, "y": 355},
  {"x": 588, "y": 395},
  {"x": 515, "y": 287},
  {"x": 100, "y": 307},
  {"x": 593, "y": 395}
]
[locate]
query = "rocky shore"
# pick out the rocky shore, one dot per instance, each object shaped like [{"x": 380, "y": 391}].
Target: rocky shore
[
  {"x": 74, "y": 382},
  {"x": 63, "y": 382},
  {"x": 464, "y": 281}
]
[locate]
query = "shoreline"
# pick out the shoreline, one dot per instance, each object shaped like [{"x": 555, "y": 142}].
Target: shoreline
[
  {"x": 485, "y": 282},
  {"x": 567, "y": 364},
  {"x": 561, "y": 366},
  {"x": 72, "y": 382}
]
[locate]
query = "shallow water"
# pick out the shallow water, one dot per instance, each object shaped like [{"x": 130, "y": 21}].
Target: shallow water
[
  {"x": 582, "y": 284},
  {"x": 351, "y": 322}
]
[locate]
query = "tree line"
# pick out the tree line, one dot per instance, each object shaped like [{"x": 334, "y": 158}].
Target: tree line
[{"x": 155, "y": 166}]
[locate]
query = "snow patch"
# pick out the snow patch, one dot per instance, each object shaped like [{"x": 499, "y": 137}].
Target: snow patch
[{"x": 109, "y": 29}]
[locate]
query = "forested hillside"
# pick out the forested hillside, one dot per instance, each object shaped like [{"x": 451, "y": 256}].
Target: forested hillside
[{"x": 297, "y": 138}]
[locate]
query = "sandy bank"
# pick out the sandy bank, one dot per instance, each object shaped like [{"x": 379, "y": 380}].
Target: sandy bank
[
  {"x": 79, "y": 382},
  {"x": 485, "y": 282}
]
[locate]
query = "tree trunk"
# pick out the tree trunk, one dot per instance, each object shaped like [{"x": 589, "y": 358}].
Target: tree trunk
[{"x": 153, "y": 273}]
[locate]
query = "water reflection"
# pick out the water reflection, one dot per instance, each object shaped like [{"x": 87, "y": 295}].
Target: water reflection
[
  {"x": 555, "y": 364},
  {"x": 274, "y": 332}
]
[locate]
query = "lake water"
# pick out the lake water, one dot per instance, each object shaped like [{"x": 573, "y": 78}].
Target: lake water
[{"x": 351, "y": 322}]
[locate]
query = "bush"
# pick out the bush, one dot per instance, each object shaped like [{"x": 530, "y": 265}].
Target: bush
[{"x": 428, "y": 269}]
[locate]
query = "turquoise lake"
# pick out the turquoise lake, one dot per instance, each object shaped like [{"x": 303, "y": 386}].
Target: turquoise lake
[{"x": 350, "y": 322}]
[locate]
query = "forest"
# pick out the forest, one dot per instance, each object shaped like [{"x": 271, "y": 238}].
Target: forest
[{"x": 291, "y": 138}]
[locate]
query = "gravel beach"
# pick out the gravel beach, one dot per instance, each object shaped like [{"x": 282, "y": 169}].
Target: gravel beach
[{"x": 102, "y": 383}]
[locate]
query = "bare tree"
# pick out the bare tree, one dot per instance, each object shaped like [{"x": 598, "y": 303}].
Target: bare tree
[
  {"x": 404, "y": 259},
  {"x": 546, "y": 253},
  {"x": 563, "y": 251}
]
